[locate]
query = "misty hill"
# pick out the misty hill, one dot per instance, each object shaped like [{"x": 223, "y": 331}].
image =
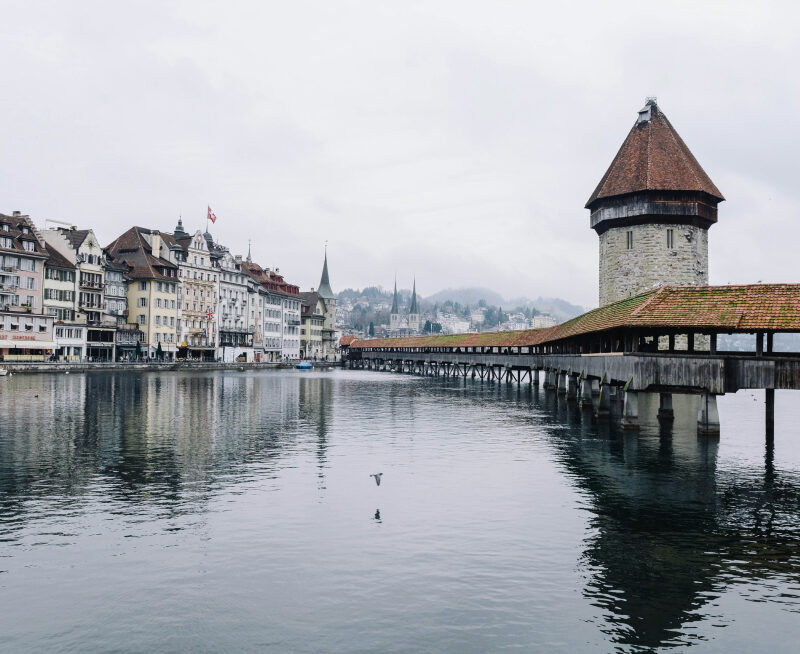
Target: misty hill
[{"x": 470, "y": 296}]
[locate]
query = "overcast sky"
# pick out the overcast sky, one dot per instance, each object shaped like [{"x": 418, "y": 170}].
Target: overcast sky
[{"x": 457, "y": 141}]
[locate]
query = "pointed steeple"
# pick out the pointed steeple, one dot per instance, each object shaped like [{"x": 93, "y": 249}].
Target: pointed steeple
[
  {"x": 324, "y": 289},
  {"x": 249, "y": 258},
  {"x": 413, "y": 308},
  {"x": 395, "y": 308}
]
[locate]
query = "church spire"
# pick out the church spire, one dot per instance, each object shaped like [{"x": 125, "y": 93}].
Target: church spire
[
  {"x": 324, "y": 289},
  {"x": 395, "y": 308},
  {"x": 413, "y": 309}
]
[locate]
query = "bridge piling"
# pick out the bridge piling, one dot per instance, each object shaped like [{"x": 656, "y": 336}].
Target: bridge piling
[
  {"x": 708, "y": 415},
  {"x": 665, "y": 411},
  {"x": 586, "y": 393},
  {"x": 630, "y": 410},
  {"x": 603, "y": 401},
  {"x": 770, "y": 413}
]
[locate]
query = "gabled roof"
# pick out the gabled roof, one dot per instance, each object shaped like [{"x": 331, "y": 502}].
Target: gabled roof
[
  {"x": 16, "y": 224},
  {"x": 133, "y": 249},
  {"x": 309, "y": 301},
  {"x": 76, "y": 237},
  {"x": 56, "y": 259},
  {"x": 653, "y": 157}
]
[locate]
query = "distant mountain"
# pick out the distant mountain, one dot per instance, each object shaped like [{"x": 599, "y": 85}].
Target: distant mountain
[{"x": 469, "y": 296}]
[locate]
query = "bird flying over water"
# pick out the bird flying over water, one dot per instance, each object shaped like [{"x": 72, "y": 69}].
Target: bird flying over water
[{"x": 377, "y": 477}]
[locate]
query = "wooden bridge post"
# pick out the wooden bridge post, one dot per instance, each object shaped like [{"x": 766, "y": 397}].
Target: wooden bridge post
[
  {"x": 603, "y": 400},
  {"x": 770, "y": 413},
  {"x": 708, "y": 416},
  {"x": 561, "y": 382},
  {"x": 630, "y": 410},
  {"x": 571, "y": 386},
  {"x": 665, "y": 411},
  {"x": 535, "y": 380},
  {"x": 586, "y": 393}
]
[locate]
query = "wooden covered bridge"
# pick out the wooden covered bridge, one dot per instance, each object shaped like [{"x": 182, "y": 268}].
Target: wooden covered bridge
[{"x": 664, "y": 341}]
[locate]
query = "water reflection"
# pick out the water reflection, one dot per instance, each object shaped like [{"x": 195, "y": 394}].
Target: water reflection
[
  {"x": 669, "y": 524},
  {"x": 669, "y": 532}
]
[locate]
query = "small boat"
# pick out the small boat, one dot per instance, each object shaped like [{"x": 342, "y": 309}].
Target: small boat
[
  {"x": 3, "y": 372},
  {"x": 304, "y": 365}
]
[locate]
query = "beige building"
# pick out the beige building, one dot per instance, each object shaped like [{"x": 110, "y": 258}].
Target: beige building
[
  {"x": 198, "y": 293},
  {"x": 152, "y": 288}
]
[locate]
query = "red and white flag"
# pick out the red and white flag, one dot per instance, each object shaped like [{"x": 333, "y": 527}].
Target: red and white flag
[{"x": 212, "y": 216}]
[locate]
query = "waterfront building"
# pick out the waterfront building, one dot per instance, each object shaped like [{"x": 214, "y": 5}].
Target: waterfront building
[
  {"x": 313, "y": 320},
  {"x": 197, "y": 293},
  {"x": 238, "y": 297},
  {"x": 59, "y": 300},
  {"x": 652, "y": 211},
  {"x": 82, "y": 247},
  {"x": 278, "y": 313},
  {"x": 152, "y": 294},
  {"x": 25, "y": 331}
]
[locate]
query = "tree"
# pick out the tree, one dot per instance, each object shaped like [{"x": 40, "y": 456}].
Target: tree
[
  {"x": 436, "y": 328},
  {"x": 372, "y": 328},
  {"x": 427, "y": 328}
]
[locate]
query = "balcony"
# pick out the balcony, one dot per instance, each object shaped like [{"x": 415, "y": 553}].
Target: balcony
[
  {"x": 90, "y": 306},
  {"x": 85, "y": 283}
]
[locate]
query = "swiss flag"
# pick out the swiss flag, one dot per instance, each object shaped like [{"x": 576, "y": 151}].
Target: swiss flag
[{"x": 212, "y": 216}]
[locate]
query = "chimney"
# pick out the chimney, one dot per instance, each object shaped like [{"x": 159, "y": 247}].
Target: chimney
[
  {"x": 155, "y": 242},
  {"x": 238, "y": 258},
  {"x": 16, "y": 213}
]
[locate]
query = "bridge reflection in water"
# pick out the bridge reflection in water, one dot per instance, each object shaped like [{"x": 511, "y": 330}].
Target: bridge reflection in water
[{"x": 668, "y": 528}]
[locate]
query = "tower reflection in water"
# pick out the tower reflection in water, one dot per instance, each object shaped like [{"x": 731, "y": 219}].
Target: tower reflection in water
[{"x": 669, "y": 531}]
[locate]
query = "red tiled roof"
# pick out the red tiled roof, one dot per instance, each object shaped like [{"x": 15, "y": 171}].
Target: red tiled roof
[
  {"x": 132, "y": 249},
  {"x": 56, "y": 259},
  {"x": 345, "y": 341},
  {"x": 653, "y": 158},
  {"x": 756, "y": 307}
]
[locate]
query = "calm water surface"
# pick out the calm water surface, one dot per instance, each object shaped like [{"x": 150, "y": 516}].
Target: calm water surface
[{"x": 235, "y": 512}]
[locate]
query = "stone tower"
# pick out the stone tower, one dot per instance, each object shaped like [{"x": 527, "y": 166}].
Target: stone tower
[
  {"x": 652, "y": 211},
  {"x": 394, "y": 316},
  {"x": 413, "y": 311}
]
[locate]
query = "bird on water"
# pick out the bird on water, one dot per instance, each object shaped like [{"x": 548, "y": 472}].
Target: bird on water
[{"x": 377, "y": 477}]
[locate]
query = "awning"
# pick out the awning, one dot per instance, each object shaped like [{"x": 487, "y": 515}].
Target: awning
[{"x": 27, "y": 345}]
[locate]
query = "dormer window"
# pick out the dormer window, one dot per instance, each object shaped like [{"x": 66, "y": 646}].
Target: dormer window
[{"x": 30, "y": 246}]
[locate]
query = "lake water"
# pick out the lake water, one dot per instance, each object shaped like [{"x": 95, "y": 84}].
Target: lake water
[{"x": 231, "y": 512}]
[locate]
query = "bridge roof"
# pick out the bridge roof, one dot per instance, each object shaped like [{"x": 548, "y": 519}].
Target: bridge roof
[{"x": 748, "y": 308}]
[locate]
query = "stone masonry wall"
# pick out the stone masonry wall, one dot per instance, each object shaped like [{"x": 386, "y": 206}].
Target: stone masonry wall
[{"x": 650, "y": 263}]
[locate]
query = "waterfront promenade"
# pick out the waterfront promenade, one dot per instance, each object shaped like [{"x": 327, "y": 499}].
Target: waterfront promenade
[{"x": 143, "y": 366}]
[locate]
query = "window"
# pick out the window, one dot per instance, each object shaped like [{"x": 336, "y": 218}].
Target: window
[
  {"x": 142, "y": 287},
  {"x": 158, "y": 286},
  {"x": 630, "y": 240},
  {"x": 142, "y": 301},
  {"x": 670, "y": 238},
  {"x": 158, "y": 303},
  {"x": 5, "y": 242},
  {"x": 158, "y": 320},
  {"x": 30, "y": 246}
]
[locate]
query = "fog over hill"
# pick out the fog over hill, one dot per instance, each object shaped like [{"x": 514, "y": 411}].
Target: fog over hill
[{"x": 560, "y": 309}]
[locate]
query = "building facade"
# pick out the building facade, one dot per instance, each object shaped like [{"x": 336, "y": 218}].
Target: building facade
[
  {"x": 26, "y": 332},
  {"x": 652, "y": 211},
  {"x": 152, "y": 292}
]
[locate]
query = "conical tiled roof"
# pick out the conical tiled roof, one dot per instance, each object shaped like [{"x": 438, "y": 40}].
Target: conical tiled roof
[
  {"x": 653, "y": 158},
  {"x": 324, "y": 289}
]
